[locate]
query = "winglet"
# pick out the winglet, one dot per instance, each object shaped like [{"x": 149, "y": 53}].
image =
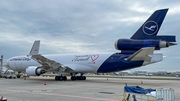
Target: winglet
[
  {"x": 142, "y": 54},
  {"x": 35, "y": 48}
]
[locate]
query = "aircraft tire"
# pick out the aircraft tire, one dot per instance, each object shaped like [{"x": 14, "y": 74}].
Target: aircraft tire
[
  {"x": 79, "y": 77},
  {"x": 61, "y": 78},
  {"x": 56, "y": 78},
  {"x": 73, "y": 78},
  {"x": 18, "y": 76},
  {"x": 64, "y": 78},
  {"x": 10, "y": 77},
  {"x": 84, "y": 78}
]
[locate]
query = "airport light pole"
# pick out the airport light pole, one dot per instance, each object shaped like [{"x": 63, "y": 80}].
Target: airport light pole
[{"x": 1, "y": 65}]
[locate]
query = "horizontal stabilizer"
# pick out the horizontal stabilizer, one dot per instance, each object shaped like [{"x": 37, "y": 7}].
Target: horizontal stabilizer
[
  {"x": 154, "y": 58},
  {"x": 142, "y": 54},
  {"x": 35, "y": 48}
]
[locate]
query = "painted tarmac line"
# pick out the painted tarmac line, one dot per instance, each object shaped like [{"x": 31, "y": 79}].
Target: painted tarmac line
[{"x": 63, "y": 95}]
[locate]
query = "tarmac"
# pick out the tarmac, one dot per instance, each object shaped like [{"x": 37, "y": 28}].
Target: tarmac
[{"x": 92, "y": 89}]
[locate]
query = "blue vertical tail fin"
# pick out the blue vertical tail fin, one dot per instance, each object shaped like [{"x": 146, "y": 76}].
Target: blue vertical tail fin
[{"x": 152, "y": 25}]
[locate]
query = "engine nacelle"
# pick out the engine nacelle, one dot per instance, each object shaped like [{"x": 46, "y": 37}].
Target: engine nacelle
[
  {"x": 34, "y": 71},
  {"x": 132, "y": 44}
]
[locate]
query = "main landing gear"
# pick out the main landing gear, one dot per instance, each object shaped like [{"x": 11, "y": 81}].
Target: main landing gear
[
  {"x": 60, "y": 78},
  {"x": 78, "y": 77},
  {"x": 73, "y": 77}
]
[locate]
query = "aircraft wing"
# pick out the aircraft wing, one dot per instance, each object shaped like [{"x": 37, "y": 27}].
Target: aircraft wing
[
  {"x": 142, "y": 54},
  {"x": 48, "y": 63},
  {"x": 45, "y": 62}
]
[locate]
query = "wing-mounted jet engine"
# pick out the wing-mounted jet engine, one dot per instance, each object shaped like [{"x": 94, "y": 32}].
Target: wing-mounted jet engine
[{"x": 35, "y": 71}]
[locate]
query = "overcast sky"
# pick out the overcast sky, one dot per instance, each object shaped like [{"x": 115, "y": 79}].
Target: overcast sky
[{"x": 76, "y": 26}]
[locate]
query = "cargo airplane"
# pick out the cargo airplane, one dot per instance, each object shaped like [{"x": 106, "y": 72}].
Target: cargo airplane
[{"x": 135, "y": 52}]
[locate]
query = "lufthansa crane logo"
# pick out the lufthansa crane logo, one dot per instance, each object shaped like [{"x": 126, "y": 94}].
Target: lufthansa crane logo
[{"x": 150, "y": 27}]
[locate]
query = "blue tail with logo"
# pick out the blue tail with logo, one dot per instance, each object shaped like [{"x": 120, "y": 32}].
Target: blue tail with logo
[
  {"x": 151, "y": 27},
  {"x": 146, "y": 35}
]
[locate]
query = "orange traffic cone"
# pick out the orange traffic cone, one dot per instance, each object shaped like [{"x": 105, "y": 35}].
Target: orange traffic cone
[
  {"x": 24, "y": 78},
  {"x": 141, "y": 82},
  {"x": 45, "y": 83}
]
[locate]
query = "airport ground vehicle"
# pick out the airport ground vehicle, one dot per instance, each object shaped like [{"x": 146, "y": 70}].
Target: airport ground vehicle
[
  {"x": 10, "y": 75},
  {"x": 136, "y": 93}
]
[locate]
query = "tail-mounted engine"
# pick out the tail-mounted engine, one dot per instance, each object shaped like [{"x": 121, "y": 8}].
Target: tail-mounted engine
[
  {"x": 35, "y": 71},
  {"x": 133, "y": 44}
]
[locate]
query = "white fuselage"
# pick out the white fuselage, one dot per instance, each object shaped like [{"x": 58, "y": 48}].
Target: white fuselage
[{"x": 79, "y": 62}]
